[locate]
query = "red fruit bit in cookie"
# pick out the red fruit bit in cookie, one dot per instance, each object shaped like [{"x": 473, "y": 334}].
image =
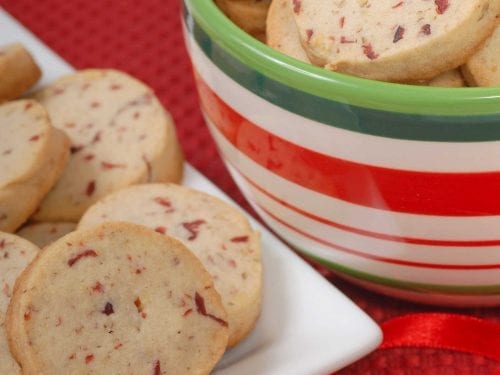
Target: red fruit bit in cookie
[
  {"x": 200, "y": 308},
  {"x": 108, "y": 309},
  {"x": 28, "y": 106},
  {"x": 106, "y": 165},
  {"x": 72, "y": 356},
  {"x": 344, "y": 40},
  {"x": 426, "y": 29},
  {"x": 240, "y": 239},
  {"x": 97, "y": 137},
  {"x": 187, "y": 312},
  {"x": 341, "y": 22},
  {"x": 157, "y": 369},
  {"x": 95, "y": 104},
  {"x": 368, "y": 51},
  {"x": 193, "y": 228},
  {"x": 89, "y": 358},
  {"x": 165, "y": 202},
  {"x": 59, "y": 321},
  {"x": 83, "y": 254},
  {"x": 88, "y": 157},
  {"x": 441, "y": 6},
  {"x": 118, "y": 345},
  {"x": 309, "y": 34},
  {"x": 27, "y": 314},
  {"x": 115, "y": 87},
  {"x": 98, "y": 287},
  {"x": 35, "y": 138},
  {"x": 75, "y": 149},
  {"x": 399, "y": 34},
  {"x": 161, "y": 230},
  {"x": 138, "y": 305},
  {"x": 58, "y": 91},
  {"x": 296, "y": 6},
  {"x": 90, "y": 188},
  {"x": 397, "y": 5},
  {"x": 2, "y": 243}
]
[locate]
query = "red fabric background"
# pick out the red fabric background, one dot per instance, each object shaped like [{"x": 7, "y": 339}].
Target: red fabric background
[{"x": 144, "y": 38}]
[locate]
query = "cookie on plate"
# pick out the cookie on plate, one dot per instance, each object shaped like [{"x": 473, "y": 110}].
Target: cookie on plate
[
  {"x": 120, "y": 135},
  {"x": 399, "y": 41},
  {"x": 42, "y": 234},
  {"x": 18, "y": 71},
  {"x": 116, "y": 299},
  {"x": 15, "y": 255},
  {"x": 250, "y": 15},
  {"x": 217, "y": 233},
  {"x": 483, "y": 68},
  {"x": 282, "y": 33},
  {"x": 32, "y": 157}
]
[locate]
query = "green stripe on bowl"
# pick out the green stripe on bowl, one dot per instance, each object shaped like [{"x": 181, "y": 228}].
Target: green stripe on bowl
[
  {"x": 376, "y": 108},
  {"x": 406, "y": 285}
]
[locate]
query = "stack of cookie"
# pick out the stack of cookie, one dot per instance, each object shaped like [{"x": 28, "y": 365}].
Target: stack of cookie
[
  {"x": 441, "y": 43},
  {"x": 154, "y": 278}
]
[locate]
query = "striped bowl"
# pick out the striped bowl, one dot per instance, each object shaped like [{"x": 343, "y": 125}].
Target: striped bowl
[{"x": 394, "y": 187}]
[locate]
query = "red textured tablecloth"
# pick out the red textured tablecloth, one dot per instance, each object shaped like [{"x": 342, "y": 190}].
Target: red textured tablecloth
[{"x": 144, "y": 38}]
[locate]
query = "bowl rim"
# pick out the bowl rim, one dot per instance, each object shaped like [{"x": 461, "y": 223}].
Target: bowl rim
[{"x": 386, "y": 96}]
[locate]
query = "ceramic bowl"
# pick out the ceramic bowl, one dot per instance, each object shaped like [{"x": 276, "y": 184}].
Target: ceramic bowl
[{"x": 394, "y": 187}]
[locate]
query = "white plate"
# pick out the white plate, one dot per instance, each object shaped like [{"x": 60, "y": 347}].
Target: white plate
[{"x": 307, "y": 326}]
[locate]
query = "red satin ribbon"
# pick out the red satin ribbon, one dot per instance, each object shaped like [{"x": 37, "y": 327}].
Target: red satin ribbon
[{"x": 444, "y": 331}]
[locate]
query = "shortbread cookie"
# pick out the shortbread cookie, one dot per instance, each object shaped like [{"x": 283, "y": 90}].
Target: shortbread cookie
[
  {"x": 18, "y": 71},
  {"x": 217, "y": 233},
  {"x": 42, "y": 234},
  {"x": 250, "y": 15},
  {"x": 398, "y": 41},
  {"x": 32, "y": 157},
  {"x": 120, "y": 134},
  {"x": 483, "y": 68},
  {"x": 451, "y": 78},
  {"x": 116, "y": 299},
  {"x": 15, "y": 255},
  {"x": 282, "y": 33}
]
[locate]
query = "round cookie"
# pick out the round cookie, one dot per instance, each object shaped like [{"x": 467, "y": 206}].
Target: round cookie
[
  {"x": 42, "y": 234},
  {"x": 116, "y": 299},
  {"x": 483, "y": 68},
  {"x": 18, "y": 71},
  {"x": 33, "y": 155},
  {"x": 217, "y": 233},
  {"x": 120, "y": 135},
  {"x": 15, "y": 255},
  {"x": 282, "y": 33},
  {"x": 400, "y": 41}
]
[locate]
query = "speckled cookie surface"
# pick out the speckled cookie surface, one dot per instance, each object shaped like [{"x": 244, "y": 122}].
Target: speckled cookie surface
[
  {"x": 216, "y": 232},
  {"x": 33, "y": 155},
  {"x": 18, "y": 71},
  {"x": 282, "y": 33},
  {"x": 15, "y": 255},
  {"x": 116, "y": 299},
  {"x": 393, "y": 40},
  {"x": 120, "y": 135},
  {"x": 483, "y": 68},
  {"x": 42, "y": 234}
]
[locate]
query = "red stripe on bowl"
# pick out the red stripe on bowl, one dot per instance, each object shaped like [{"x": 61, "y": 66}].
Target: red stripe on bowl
[{"x": 427, "y": 193}]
